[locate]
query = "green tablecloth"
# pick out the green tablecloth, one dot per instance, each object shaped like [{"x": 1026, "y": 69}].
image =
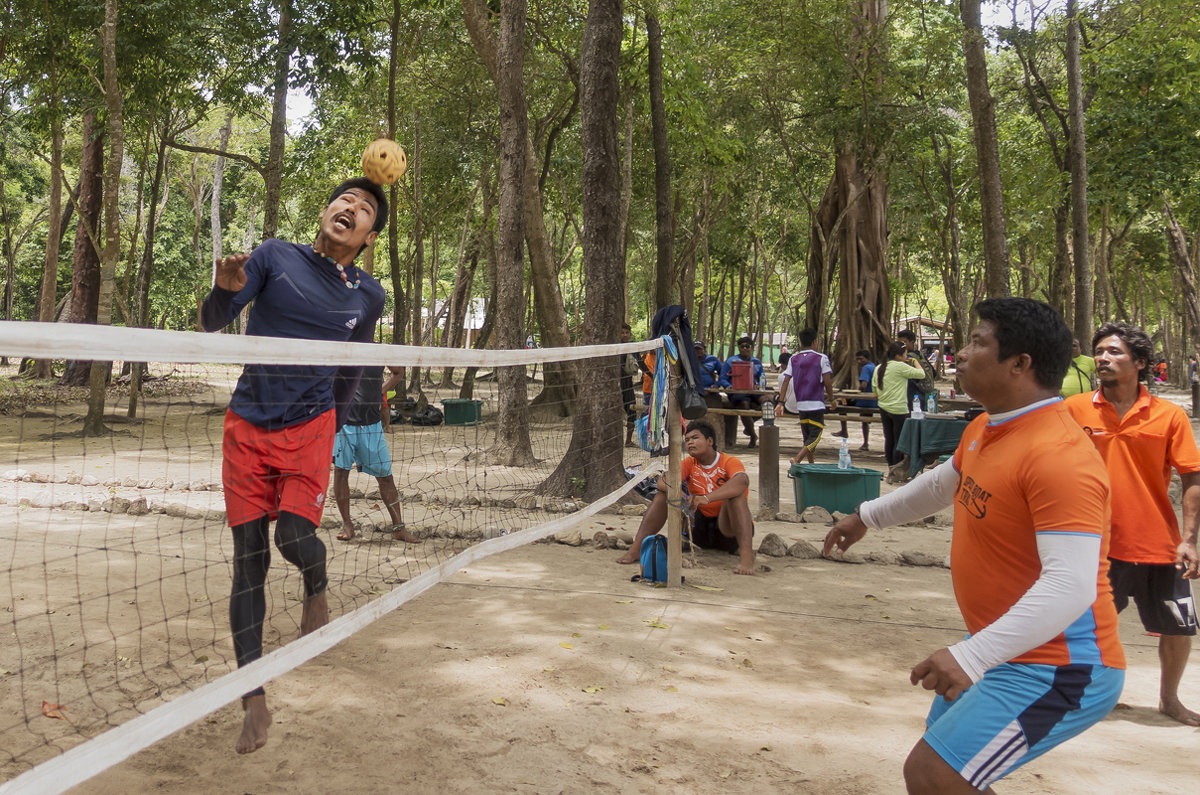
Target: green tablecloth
[{"x": 929, "y": 436}]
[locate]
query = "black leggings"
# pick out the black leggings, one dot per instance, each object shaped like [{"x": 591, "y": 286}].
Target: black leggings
[
  {"x": 892, "y": 423},
  {"x": 297, "y": 540}
]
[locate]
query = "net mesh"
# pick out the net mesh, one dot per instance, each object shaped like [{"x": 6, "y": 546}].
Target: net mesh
[{"x": 119, "y": 560}]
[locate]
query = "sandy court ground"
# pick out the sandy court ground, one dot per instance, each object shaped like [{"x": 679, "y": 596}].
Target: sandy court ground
[
  {"x": 540, "y": 670},
  {"x": 795, "y": 680}
]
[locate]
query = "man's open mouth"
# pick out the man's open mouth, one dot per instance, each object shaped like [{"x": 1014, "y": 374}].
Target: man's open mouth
[{"x": 344, "y": 221}]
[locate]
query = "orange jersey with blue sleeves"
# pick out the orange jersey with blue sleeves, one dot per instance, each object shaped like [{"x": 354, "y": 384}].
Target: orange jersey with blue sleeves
[{"x": 1034, "y": 473}]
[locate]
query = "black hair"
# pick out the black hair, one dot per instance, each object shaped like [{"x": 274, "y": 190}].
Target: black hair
[
  {"x": 1023, "y": 325},
  {"x": 704, "y": 428},
  {"x": 747, "y": 340},
  {"x": 1137, "y": 340},
  {"x": 808, "y": 336},
  {"x": 784, "y": 358},
  {"x": 626, "y": 327},
  {"x": 362, "y": 183},
  {"x": 866, "y": 354},
  {"x": 894, "y": 349},
  {"x": 906, "y": 334}
]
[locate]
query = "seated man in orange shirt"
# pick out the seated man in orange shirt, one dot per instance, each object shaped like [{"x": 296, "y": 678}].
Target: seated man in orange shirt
[
  {"x": 717, "y": 487},
  {"x": 1029, "y": 564},
  {"x": 1141, "y": 437}
]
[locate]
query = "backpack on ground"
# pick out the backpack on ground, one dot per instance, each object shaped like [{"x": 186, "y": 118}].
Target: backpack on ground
[
  {"x": 654, "y": 559},
  {"x": 430, "y": 415}
]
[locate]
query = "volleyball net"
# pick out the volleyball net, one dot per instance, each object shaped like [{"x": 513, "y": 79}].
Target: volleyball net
[{"x": 117, "y": 558}]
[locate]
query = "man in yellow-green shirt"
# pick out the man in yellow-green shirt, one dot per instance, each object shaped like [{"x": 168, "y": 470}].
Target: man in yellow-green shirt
[{"x": 1080, "y": 372}]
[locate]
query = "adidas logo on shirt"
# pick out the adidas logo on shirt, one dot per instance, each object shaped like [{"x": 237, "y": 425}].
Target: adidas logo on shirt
[{"x": 352, "y": 323}]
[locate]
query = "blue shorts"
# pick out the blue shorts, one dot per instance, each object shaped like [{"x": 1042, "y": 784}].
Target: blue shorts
[
  {"x": 1016, "y": 713},
  {"x": 364, "y": 445}
]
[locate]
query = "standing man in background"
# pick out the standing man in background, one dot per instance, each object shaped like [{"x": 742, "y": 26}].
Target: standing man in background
[{"x": 1141, "y": 438}]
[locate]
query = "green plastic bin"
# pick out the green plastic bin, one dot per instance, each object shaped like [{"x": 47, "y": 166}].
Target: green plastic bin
[
  {"x": 832, "y": 488},
  {"x": 460, "y": 411}
]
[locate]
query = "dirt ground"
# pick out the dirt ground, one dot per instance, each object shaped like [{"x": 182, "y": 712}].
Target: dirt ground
[{"x": 540, "y": 670}]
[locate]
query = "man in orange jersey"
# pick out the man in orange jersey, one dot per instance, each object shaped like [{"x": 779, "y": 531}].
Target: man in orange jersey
[
  {"x": 1029, "y": 562},
  {"x": 1141, "y": 438},
  {"x": 716, "y": 485}
]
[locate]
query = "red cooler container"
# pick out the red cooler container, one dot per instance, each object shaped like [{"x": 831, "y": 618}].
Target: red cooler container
[{"x": 741, "y": 374}]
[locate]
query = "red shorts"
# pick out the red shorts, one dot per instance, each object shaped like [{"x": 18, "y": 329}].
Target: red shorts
[{"x": 265, "y": 472}]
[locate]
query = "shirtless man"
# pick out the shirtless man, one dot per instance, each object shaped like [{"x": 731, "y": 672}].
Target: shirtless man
[
  {"x": 281, "y": 421},
  {"x": 717, "y": 487}
]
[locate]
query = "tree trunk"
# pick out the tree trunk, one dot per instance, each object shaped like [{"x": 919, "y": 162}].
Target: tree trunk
[
  {"x": 1084, "y": 318},
  {"x": 85, "y": 283},
  {"x": 559, "y": 382},
  {"x": 1177, "y": 243},
  {"x": 483, "y": 339},
  {"x": 513, "y": 446},
  {"x": 279, "y": 87},
  {"x": 595, "y": 452},
  {"x": 93, "y": 423},
  {"x": 141, "y": 293},
  {"x": 983, "y": 117},
  {"x": 1059, "y": 290},
  {"x": 664, "y": 292},
  {"x": 400, "y": 305},
  {"x": 49, "y": 289},
  {"x": 418, "y": 268}
]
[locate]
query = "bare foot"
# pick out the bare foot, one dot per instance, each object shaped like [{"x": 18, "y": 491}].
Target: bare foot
[
  {"x": 315, "y": 614},
  {"x": 255, "y": 723},
  {"x": 629, "y": 557},
  {"x": 797, "y": 459},
  {"x": 402, "y": 534},
  {"x": 346, "y": 534},
  {"x": 1180, "y": 713},
  {"x": 745, "y": 564}
]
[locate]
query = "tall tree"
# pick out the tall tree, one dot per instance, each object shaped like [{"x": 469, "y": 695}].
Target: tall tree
[
  {"x": 513, "y": 446},
  {"x": 1084, "y": 318},
  {"x": 594, "y": 454},
  {"x": 85, "y": 282},
  {"x": 664, "y": 232},
  {"x": 93, "y": 423},
  {"x": 987, "y": 151}
]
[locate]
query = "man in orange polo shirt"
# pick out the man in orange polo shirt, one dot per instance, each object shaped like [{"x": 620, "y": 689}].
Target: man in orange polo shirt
[
  {"x": 1028, "y": 560},
  {"x": 1141, "y": 437},
  {"x": 717, "y": 486}
]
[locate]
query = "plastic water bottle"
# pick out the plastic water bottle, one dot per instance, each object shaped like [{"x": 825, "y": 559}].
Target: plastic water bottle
[
  {"x": 844, "y": 455},
  {"x": 931, "y": 404},
  {"x": 917, "y": 412}
]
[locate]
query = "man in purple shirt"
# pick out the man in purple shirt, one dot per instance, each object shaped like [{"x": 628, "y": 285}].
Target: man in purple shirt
[{"x": 281, "y": 421}]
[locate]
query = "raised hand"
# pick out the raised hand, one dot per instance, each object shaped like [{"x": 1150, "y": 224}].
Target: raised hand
[{"x": 231, "y": 272}]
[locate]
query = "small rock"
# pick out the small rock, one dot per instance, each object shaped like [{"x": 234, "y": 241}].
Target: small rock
[
  {"x": 117, "y": 505},
  {"x": 601, "y": 540},
  {"x": 176, "y": 509},
  {"x": 16, "y": 474},
  {"x": 764, "y": 515},
  {"x": 470, "y": 502},
  {"x": 137, "y": 507},
  {"x": 838, "y": 516},
  {"x": 571, "y": 538},
  {"x": 214, "y": 515},
  {"x": 815, "y": 514},
  {"x": 510, "y": 504},
  {"x": 633, "y": 510},
  {"x": 620, "y": 544},
  {"x": 527, "y": 502},
  {"x": 59, "y": 477},
  {"x": 74, "y": 479},
  {"x": 494, "y": 532},
  {"x": 95, "y": 506},
  {"x": 73, "y": 506},
  {"x": 886, "y": 557},
  {"x": 622, "y": 535},
  {"x": 162, "y": 484},
  {"x": 38, "y": 477},
  {"x": 913, "y": 558},
  {"x": 794, "y": 518},
  {"x": 129, "y": 483},
  {"x": 803, "y": 550},
  {"x": 772, "y": 545}
]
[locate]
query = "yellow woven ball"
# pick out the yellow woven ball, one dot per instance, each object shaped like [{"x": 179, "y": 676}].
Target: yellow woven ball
[{"x": 384, "y": 161}]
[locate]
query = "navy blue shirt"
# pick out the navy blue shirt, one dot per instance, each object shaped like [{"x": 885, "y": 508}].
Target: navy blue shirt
[
  {"x": 299, "y": 295},
  {"x": 710, "y": 371}
]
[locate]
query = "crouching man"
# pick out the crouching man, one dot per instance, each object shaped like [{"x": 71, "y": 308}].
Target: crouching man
[{"x": 716, "y": 486}]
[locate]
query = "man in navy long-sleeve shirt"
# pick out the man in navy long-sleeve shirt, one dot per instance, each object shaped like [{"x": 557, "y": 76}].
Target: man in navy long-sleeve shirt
[{"x": 280, "y": 426}]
